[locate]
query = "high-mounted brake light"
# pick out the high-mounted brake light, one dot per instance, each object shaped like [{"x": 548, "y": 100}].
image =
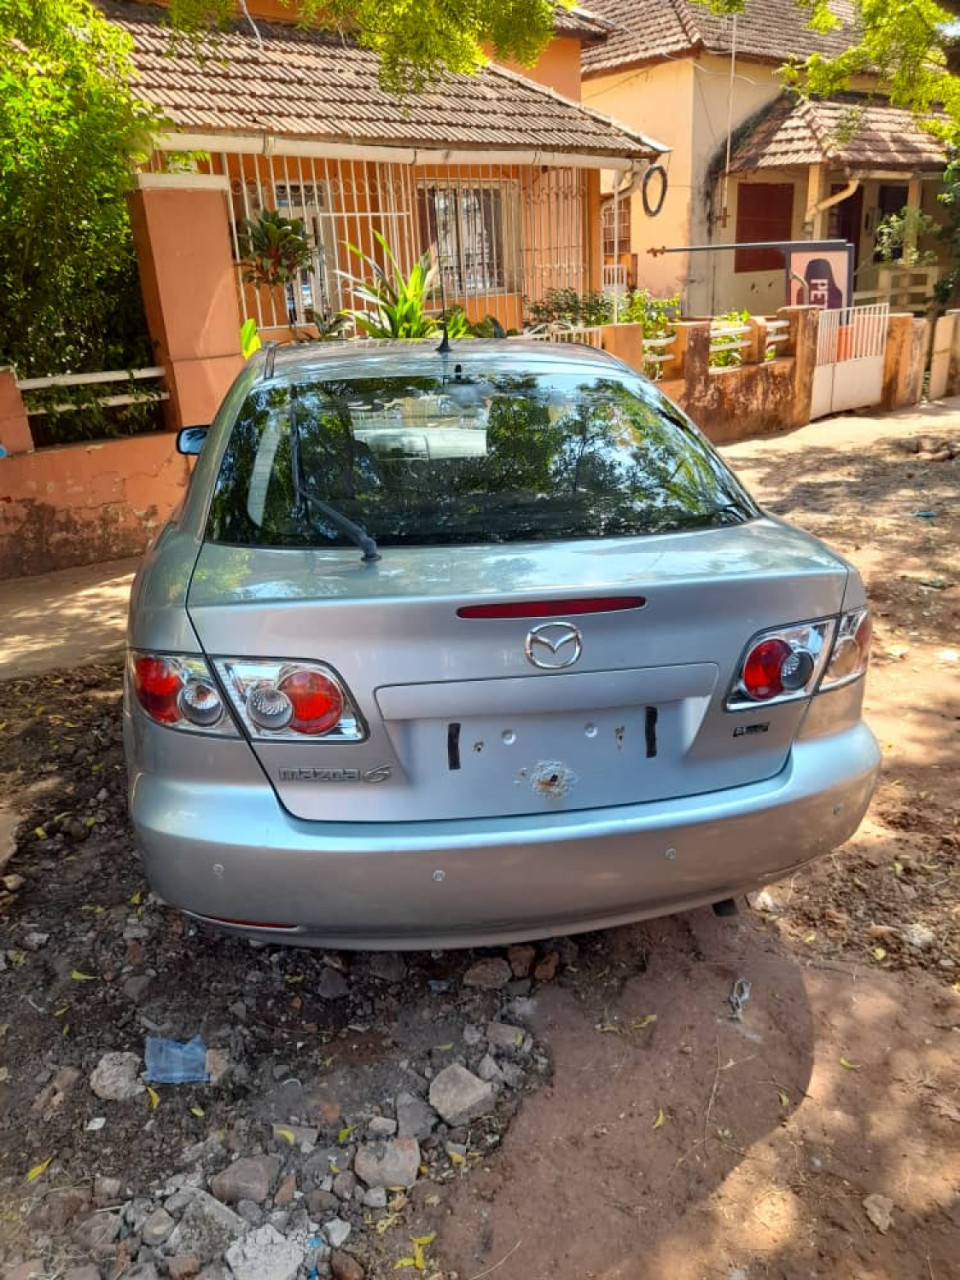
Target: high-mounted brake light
[
  {"x": 290, "y": 700},
  {"x": 552, "y": 608},
  {"x": 178, "y": 690}
]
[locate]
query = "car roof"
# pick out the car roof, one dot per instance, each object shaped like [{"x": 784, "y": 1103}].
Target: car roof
[{"x": 421, "y": 357}]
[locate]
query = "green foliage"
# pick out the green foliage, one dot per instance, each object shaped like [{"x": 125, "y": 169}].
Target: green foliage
[
  {"x": 655, "y": 314},
  {"x": 415, "y": 42},
  {"x": 456, "y": 323},
  {"x": 330, "y": 325},
  {"x": 913, "y": 45},
  {"x": 274, "y": 249},
  {"x": 898, "y": 235},
  {"x": 69, "y": 126},
  {"x": 397, "y": 303},
  {"x": 948, "y": 287},
  {"x": 567, "y": 307},
  {"x": 250, "y": 342},
  {"x": 730, "y": 359},
  {"x": 89, "y": 419}
]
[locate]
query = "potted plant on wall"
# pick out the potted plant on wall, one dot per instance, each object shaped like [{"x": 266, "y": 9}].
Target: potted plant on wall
[{"x": 274, "y": 249}]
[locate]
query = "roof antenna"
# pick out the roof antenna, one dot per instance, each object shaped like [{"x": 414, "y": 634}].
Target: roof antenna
[{"x": 444, "y": 348}]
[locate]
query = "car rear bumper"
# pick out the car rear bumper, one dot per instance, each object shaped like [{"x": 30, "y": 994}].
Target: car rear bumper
[{"x": 232, "y": 853}]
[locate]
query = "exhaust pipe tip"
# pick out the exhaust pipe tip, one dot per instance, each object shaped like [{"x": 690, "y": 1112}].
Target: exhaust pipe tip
[{"x": 727, "y": 907}]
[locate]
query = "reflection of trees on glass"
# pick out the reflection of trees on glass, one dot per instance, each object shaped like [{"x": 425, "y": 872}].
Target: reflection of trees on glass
[{"x": 481, "y": 458}]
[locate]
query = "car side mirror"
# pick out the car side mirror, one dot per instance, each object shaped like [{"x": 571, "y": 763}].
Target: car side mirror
[{"x": 190, "y": 440}]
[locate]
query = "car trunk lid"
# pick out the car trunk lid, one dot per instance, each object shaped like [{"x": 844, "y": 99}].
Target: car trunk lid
[{"x": 463, "y": 724}]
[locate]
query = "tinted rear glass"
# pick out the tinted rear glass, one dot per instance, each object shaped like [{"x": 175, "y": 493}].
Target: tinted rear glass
[{"x": 466, "y": 458}]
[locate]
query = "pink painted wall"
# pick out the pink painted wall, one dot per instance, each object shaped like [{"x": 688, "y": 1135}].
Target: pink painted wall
[
  {"x": 86, "y": 502},
  {"x": 189, "y": 287},
  {"x": 558, "y": 67}
]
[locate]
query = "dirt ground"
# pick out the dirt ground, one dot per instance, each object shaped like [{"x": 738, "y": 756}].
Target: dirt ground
[{"x": 640, "y": 1130}]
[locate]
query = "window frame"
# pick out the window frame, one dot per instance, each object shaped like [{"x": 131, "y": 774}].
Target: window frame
[
  {"x": 621, "y": 243},
  {"x": 505, "y": 256},
  {"x": 775, "y": 224}
]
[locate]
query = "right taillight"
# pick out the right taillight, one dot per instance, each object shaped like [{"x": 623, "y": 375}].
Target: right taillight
[
  {"x": 782, "y": 664},
  {"x": 851, "y": 649}
]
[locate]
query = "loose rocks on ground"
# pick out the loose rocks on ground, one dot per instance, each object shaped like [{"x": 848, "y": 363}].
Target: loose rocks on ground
[{"x": 459, "y": 1096}]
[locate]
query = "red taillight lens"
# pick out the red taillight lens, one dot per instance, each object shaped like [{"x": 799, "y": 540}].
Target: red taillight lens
[
  {"x": 157, "y": 684},
  {"x": 286, "y": 699},
  {"x": 317, "y": 702},
  {"x": 177, "y": 690},
  {"x": 763, "y": 669}
]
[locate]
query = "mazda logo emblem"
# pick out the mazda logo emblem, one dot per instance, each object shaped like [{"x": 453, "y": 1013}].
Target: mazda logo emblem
[{"x": 553, "y": 645}]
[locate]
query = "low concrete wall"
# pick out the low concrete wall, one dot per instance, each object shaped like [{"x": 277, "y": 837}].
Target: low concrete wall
[
  {"x": 86, "y": 502},
  {"x": 737, "y": 404},
  {"x": 759, "y": 397}
]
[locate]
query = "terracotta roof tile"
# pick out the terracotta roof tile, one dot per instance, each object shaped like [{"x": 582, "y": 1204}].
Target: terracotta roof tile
[
  {"x": 652, "y": 30},
  {"x": 313, "y": 86},
  {"x": 581, "y": 22},
  {"x": 849, "y": 131}
]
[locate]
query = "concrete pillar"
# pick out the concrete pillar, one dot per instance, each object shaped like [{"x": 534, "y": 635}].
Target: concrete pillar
[
  {"x": 625, "y": 341},
  {"x": 690, "y": 354},
  {"x": 953, "y": 376},
  {"x": 803, "y": 325},
  {"x": 182, "y": 234},
  {"x": 756, "y": 350},
  {"x": 15, "y": 433},
  {"x": 944, "y": 337},
  {"x": 904, "y": 359}
]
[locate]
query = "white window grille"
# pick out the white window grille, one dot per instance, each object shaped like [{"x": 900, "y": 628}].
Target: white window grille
[
  {"x": 505, "y": 235},
  {"x": 471, "y": 229},
  {"x": 317, "y": 288}
]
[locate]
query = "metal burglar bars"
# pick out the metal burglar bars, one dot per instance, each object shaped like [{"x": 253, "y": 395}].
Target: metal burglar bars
[{"x": 498, "y": 233}]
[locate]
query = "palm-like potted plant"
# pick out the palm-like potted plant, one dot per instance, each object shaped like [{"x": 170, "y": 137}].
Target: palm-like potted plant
[
  {"x": 275, "y": 250},
  {"x": 397, "y": 303}
]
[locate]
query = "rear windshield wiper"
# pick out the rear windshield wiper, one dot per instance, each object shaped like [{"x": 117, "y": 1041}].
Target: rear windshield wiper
[{"x": 306, "y": 494}]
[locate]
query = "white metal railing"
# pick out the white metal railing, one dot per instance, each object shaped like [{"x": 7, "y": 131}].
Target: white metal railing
[
  {"x": 778, "y": 332},
  {"x": 614, "y": 276},
  {"x": 588, "y": 335},
  {"x": 725, "y": 336},
  {"x": 852, "y": 333},
  {"x": 656, "y": 353},
  {"x": 94, "y": 379}
]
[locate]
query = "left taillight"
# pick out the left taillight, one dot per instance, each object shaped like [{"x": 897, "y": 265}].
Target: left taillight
[
  {"x": 290, "y": 699},
  {"x": 180, "y": 692}
]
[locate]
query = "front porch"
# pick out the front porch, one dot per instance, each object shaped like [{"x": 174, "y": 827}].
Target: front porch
[
  {"x": 833, "y": 170},
  {"x": 500, "y": 234}
]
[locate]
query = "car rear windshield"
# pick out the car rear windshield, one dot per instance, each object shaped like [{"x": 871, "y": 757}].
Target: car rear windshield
[{"x": 465, "y": 457}]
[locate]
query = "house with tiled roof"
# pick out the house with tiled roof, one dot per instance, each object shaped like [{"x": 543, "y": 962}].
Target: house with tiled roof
[
  {"x": 497, "y": 175},
  {"x": 750, "y": 162}
]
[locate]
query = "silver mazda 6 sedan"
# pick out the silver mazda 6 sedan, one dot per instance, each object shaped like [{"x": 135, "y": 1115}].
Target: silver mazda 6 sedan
[{"x": 447, "y": 648}]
